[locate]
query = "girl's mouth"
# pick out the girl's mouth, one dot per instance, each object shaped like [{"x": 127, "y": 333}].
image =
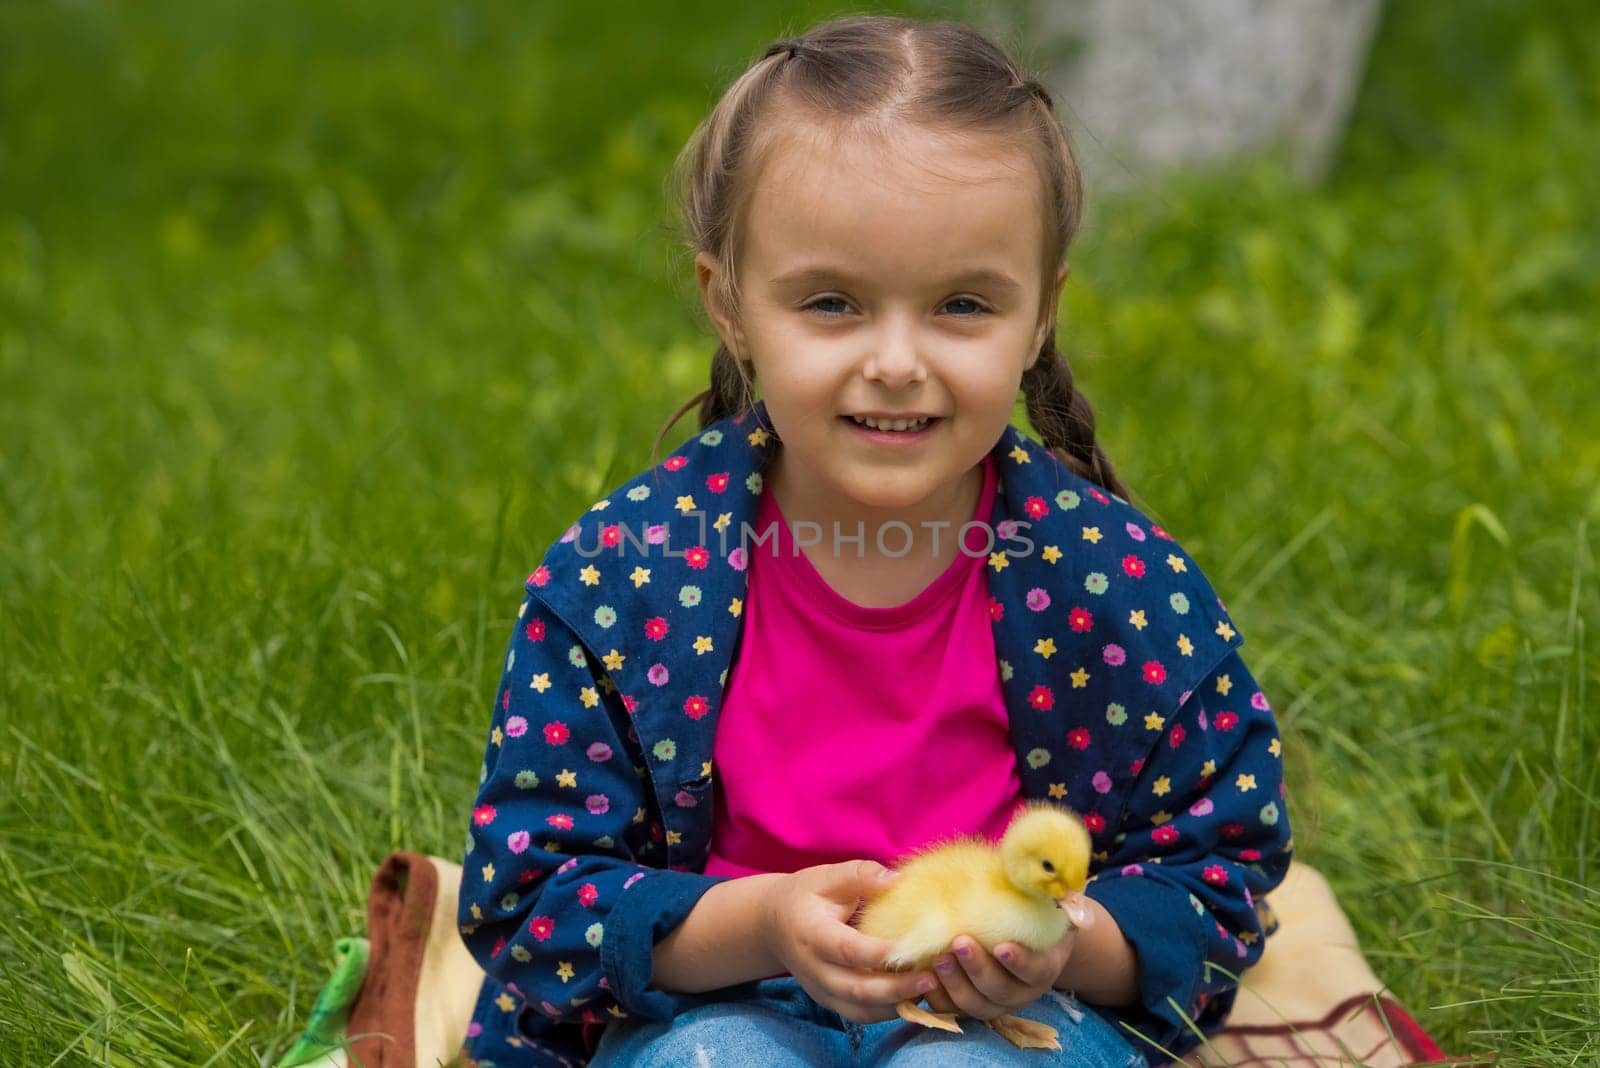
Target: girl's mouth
[{"x": 884, "y": 433}]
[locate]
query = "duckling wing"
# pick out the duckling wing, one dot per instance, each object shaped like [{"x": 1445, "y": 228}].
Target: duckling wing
[
  {"x": 978, "y": 899},
  {"x": 922, "y": 911},
  {"x": 918, "y": 922},
  {"x": 959, "y": 887},
  {"x": 1005, "y": 914}
]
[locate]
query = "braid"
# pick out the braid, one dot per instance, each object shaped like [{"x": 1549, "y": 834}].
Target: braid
[
  {"x": 728, "y": 394},
  {"x": 1063, "y": 418}
]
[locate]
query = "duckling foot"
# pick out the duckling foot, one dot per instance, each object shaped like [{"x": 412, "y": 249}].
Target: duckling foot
[
  {"x": 912, "y": 1012},
  {"x": 1024, "y": 1033}
]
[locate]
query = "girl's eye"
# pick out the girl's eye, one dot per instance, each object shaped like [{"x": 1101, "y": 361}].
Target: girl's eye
[
  {"x": 977, "y": 309},
  {"x": 816, "y": 306},
  {"x": 833, "y": 307}
]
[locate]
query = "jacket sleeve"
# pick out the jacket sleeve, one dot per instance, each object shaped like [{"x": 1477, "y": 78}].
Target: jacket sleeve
[
  {"x": 1204, "y": 836},
  {"x": 559, "y": 900}
]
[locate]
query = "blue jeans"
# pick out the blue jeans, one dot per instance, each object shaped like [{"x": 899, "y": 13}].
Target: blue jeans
[{"x": 781, "y": 1026}]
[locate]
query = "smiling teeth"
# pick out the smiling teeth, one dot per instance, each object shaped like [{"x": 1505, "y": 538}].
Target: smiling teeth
[{"x": 898, "y": 424}]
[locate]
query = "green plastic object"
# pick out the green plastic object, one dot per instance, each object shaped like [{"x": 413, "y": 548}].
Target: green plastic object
[{"x": 324, "y": 1031}]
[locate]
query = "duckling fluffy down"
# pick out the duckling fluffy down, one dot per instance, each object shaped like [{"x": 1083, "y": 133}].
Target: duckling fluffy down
[{"x": 959, "y": 887}]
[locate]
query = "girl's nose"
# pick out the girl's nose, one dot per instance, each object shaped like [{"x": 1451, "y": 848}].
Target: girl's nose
[{"x": 895, "y": 360}]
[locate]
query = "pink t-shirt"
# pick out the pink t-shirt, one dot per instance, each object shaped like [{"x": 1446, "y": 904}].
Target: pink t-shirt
[{"x": 848, "y": 731}]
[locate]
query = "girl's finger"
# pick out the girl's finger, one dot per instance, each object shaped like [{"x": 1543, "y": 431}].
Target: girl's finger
[
  {"x": 1019, "y": 962},
  {"x": 850, "y": 948},
  {"x": 963, "y": 993},
  {"x": 939, "y": 1001},
  {"x": 855, "y": 1011},
  {"x": 991, "y": 980},
  {"x": 1033, "y": 967},
  {"x": 880, "y": 989}
]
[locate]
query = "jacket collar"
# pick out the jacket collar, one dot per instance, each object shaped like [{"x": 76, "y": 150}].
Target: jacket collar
[
  {"x": 652, "y": 581},
  {"x": 689, "y": 510}
]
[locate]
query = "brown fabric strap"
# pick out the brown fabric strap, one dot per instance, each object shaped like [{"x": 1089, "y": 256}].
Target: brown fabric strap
[{"x": 382, "y": 1026}]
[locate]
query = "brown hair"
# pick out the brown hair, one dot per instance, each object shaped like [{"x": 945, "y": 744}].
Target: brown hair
[{"x": 878, "y": 69}]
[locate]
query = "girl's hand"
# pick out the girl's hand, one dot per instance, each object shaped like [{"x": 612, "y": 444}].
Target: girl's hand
[
  {"x": 984, "y": 985},
  {"x": 808, "y": 928}
]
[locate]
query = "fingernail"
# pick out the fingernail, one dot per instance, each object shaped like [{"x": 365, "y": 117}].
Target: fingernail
[
  {"x": 1005, "y": 956},
  {"x": 945, "y": 964},
  {"x": 964, "y": 950},
  {"x": 924, "y": 986}
]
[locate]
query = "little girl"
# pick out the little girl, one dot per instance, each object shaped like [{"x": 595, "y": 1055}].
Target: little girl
[{"x": 862, "y": 614}]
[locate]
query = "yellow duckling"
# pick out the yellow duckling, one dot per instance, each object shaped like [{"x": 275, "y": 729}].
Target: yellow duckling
[{"x": 994, "y": 894}]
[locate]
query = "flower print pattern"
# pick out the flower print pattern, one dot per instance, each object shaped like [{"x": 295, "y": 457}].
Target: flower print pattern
[
  {"x": 592, "y": 822},
  {"x": 509, "y": 910},
  {"x": 1232, "y": 876}
]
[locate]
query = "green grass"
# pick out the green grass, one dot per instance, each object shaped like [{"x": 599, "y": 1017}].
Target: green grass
[{"x": 316, "y": 326}]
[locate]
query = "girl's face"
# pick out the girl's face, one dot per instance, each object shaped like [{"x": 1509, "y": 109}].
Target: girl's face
[{"x": 897, "y": 280}]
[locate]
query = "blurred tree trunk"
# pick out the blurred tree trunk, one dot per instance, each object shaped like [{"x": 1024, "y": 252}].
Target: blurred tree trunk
[{"x": 1144, "y": 85}]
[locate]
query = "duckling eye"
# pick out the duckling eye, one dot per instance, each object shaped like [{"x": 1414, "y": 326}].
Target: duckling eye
[{"x": 1048, "y": 867}]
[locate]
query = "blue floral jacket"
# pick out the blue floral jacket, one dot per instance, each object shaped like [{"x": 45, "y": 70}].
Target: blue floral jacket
[{"x": 1128, "y": 702}]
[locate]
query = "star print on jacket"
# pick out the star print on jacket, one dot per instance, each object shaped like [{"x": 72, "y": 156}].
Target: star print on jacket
[{"x": 1127, "y": 698}]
